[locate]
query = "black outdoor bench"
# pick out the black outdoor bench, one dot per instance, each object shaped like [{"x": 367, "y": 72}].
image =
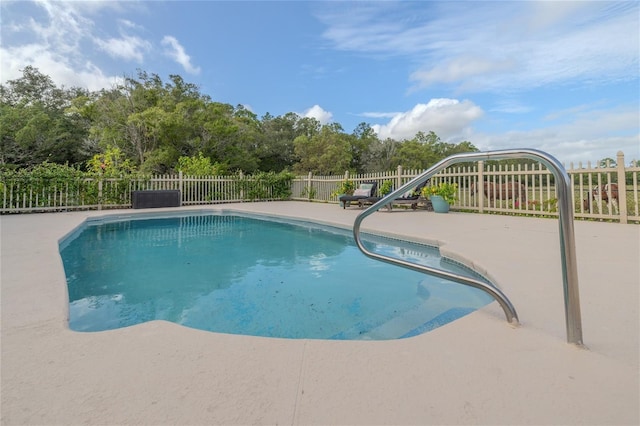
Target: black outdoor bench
[{"x": 156, "y": 198}]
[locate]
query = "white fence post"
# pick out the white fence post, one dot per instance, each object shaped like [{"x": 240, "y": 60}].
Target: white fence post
[
  {"x": 480, "y": 186},
  {"x": 100, "y": 193},
  {"x": 622, "y": 188}
]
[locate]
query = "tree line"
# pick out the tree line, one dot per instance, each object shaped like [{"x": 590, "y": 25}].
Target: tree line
[{"x": 146, "y": 124}]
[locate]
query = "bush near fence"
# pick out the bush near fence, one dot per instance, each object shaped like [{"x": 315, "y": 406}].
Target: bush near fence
[{"x": 25, "y": 193}]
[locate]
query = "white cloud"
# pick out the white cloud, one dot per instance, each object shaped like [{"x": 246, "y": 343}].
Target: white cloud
[
  {"x": 95, "y": 7},
  {"x": 546, "y": 13},
  {"x": 127, "y": 47},
  {"x": 125, "y": 23},
  {"x": 58, "y": 44},
  {"x": 565, "y": 148},
  {"x": 461, "y": 69},
  {"x": 585, "y": 133},
  {"x": 511, "y": 106},
  {"x": 372, "y": 27},
  {"x": 61, "y": 71},
  {"x": 318, "y": 113},
  {"x": 379, "y": 114},
  {"x": 63, "y": 30},
  {"x": 592, "y": 134},
  {"x": 448, "y": 118},
  {"x": 495, "y": 46},
  {"x": 55, "y": 46},
  {"x": 175, "y": 51}
]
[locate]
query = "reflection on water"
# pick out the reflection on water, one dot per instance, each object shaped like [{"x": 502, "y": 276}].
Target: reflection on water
[{"x": 244, "y": 275}]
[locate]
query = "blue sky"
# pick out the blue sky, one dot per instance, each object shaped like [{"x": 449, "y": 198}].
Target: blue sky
[{"x": 555, "y": 75}]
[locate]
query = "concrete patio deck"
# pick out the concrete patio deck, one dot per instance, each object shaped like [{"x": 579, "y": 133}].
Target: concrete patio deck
[{"x": 476, "y": 370}]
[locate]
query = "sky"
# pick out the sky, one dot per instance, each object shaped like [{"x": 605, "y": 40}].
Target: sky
[{"x": 559, "y": 76}]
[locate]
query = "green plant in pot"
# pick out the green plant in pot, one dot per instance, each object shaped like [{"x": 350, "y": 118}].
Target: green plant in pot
[
  {"x": 385, "y": 188},
  {"x": 346, "y": 187},
  {"x": 441, "y": 195}
]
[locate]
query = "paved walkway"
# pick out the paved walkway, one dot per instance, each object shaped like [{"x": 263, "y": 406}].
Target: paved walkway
[{"x": 476, "y": 370}]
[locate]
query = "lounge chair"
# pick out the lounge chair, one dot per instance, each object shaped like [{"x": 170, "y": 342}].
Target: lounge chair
[
  {"x": 411, "y": 197},
  {"x": 364, "y": 191}
]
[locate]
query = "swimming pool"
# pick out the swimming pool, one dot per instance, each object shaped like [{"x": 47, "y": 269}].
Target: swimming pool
[{"x": 242, "y": 274}]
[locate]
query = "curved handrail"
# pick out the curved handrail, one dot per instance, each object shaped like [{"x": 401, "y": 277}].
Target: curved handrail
[{"x": 567, "y": 237}]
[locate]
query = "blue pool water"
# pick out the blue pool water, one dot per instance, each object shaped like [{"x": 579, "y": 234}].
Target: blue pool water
[{"x": 245, "y": 275}]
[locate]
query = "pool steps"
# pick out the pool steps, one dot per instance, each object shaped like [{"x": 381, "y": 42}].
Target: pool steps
[{"x": 433, "y": 313}]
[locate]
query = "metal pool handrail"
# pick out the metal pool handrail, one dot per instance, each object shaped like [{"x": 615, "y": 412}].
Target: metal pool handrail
[{"x": 567, "y": 237}]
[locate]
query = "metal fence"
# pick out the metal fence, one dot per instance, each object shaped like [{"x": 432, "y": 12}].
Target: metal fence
[{"x": 531, "y": 186}]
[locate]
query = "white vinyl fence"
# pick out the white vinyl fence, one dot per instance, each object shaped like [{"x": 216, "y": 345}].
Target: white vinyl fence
[
  {"x": 532, "y": 186},
  {"x": 40, "y": 195}
]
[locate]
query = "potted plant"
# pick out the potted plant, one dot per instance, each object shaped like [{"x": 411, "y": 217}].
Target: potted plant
[
  {"x": 385, "y": 188},
  {"x": 441, "y": 195},
  {"x": 346, "y": 187}
]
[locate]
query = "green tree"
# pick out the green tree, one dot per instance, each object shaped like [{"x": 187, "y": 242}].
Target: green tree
[
  {"x": 243, "y": 153},
  {"x": 198, "y": 165},
  {"x": 380, "y": 155},
  {"x": 276, "y": 150},
  {"x": 308, "y": 126},
  {"x": 215, "y": 130},
  {"x": 33, "y": 88},
  {"x": 328, "y": 152},
  {"x": 362, "y": 140},
  {"x": 154, "y": 124},
  {"x": 413, "y": 155},
  {"x": 35, "y": 125},
  {"x": 426, "y": 149},
  {"x": 150, "y": 120}
]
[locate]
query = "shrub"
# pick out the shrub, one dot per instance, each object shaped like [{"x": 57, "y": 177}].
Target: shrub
[{"x": 346, "y": 187}]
